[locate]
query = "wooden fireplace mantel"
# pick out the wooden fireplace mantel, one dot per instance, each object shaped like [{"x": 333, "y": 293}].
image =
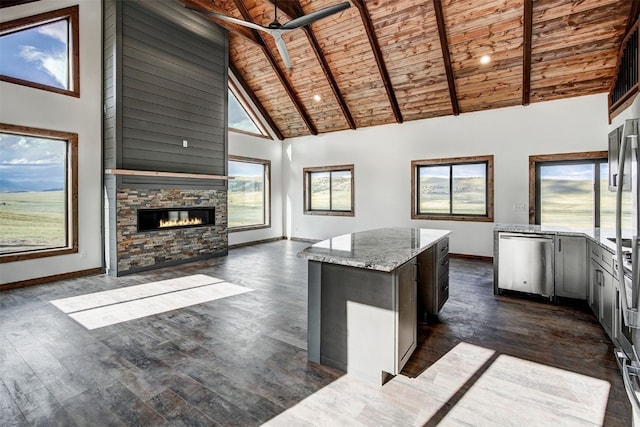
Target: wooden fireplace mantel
[{"x": 164, "y": 174}]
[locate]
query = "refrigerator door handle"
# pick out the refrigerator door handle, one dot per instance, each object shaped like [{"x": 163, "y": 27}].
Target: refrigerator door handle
[
  {"x": 626, "y": 378},
  {"x": 629, "y": 311}
]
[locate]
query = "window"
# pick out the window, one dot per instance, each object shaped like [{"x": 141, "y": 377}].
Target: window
[
  {"x": 249, "y": 193},
  {"x": 452, "y": 189},
  {"x": 572, "y": 189},
  {"x": 41, "y": 51},
  {"x": 241, "y": 117},
  {"x": 38, "y": 193},
  {"x": 329, "y": 190}
]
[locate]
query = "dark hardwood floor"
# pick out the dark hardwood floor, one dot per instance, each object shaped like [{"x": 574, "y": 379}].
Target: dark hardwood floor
[{"x": 242, "y": 360}]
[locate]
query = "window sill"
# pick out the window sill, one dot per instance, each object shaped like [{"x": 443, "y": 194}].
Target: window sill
[
  {"x": 329, "y": 213},
  {"x": 22, "y": 256},
  {"x": 248, "y": 228}
]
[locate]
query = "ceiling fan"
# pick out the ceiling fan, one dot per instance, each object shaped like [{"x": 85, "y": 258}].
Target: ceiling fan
[{"x": 275, "y": 29}]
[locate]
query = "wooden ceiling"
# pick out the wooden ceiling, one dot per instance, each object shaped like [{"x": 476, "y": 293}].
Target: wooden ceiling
[
  {"x": 391, "y": 61},
  {"x": 384, "y": 62}
]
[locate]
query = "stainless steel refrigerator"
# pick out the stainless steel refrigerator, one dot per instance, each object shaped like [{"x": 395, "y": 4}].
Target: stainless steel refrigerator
[{"x": 626, "y": 179}]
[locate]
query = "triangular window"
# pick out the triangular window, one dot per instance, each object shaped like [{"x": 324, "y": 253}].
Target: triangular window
[{"x": 241, "y": 118}]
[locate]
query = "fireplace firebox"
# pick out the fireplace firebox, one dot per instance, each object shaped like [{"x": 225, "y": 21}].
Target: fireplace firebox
[{"x": 170, "y": 218}]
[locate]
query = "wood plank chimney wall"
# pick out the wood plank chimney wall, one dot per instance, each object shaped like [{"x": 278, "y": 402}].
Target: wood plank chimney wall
[{"x": 165, "y": 109}]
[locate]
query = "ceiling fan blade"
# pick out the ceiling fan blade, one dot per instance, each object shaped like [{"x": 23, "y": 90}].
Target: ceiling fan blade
[
  {"x": 282, "y": 48},
  {"x": 229, "y": 19},
  {"x": 314, "y": 16}
]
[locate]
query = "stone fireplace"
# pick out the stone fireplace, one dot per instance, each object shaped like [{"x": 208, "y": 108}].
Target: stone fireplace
[
  {"x": 175, "y": 217},
  {"x": 194, "y": 226},
  {"x": 165, "y": 145}
]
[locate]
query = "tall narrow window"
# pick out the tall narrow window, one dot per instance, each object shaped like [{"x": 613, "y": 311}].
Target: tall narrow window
[
  {"x": 329, "y": 190},
  {"x": 573, "y": 189},
  {"x": 453, "y": 189},
  {"x": 248, "y": 194},
  {"x": 41, "y": 51},
  {"x": 241, "y": 117},
  {"x": 38, "y": 193}
]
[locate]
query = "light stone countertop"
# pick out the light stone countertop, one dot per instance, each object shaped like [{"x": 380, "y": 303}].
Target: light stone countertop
[
  {"x": 598, "y": 235},
  {"x": 383, "y": 249}
]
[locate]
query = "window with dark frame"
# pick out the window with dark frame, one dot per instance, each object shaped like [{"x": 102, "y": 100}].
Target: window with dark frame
[
  {"x": 42, "y": 51},
  {"x": 573, "y": 189},
  {"x": 241, "y": 117},
  {"x": 38, "y": 193},
  {"x": 458, "y": 188},
  {"x": 248, "y": 194},
  {"x": 328, "y": 190}
]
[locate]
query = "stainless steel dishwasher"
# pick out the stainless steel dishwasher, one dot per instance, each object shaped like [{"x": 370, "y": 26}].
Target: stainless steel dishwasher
[{"x": 526, "y": 263}]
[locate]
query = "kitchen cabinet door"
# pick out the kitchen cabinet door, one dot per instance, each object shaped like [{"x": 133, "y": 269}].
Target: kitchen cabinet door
[
  {"x": 406, "y": 333},
  {"x": 571, "y": 267}
]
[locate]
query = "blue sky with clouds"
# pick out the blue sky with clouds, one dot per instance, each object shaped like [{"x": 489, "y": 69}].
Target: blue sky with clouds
[
  {"x": 38, "y": 54},
  {"x": 245, "y": 169},
  {"x": 31, "y": 164},
  {"x": 459, "y": 171},
  {"x": 570, "y": 172},
  {"x": 238, "y": 117}
]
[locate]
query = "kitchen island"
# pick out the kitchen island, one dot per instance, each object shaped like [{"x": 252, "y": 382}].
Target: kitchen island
[{"x": 365, "y": 293}]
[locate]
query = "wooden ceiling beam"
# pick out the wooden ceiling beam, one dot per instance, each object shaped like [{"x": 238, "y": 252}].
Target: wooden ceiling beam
[
  {"x": 274, "y": 64},
  {"x": 247, "y": 89},
  {"x": 294, "y": 10},
  {"x": 633, "y": 15},
  {"x": 527, "y": 35},
  {"x": 377, "y": 53},
  {"x": 446, "y": 56}
]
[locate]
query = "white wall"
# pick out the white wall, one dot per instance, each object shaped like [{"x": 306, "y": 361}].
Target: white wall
[
  {"x": 264, "y": 149},
  {"x": 41, "y": 109},
  {"x": 382, "y": 156}
]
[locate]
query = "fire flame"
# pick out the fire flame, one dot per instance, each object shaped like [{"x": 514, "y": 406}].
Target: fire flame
[{"x": 179, "y": 222}]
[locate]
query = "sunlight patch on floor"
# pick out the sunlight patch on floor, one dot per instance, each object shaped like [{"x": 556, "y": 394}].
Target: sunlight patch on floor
[
  {"x": 100, "y": 309},
  {"x": 532, "y": 394},
  {"x": 402, "y": 401},
  {"x": 505, "y": 391}
]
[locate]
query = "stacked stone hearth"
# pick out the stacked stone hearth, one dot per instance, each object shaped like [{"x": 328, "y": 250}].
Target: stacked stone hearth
[{"x": 143, "y": 250}]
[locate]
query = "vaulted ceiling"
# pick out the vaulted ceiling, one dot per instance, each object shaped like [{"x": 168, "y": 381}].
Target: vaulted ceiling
[{"x": 391, "y": 61}]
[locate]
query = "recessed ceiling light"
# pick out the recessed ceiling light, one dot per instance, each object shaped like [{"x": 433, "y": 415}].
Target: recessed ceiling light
[
  {"x": 317, "y": 98},
  {"x": 485, "y": 59}
]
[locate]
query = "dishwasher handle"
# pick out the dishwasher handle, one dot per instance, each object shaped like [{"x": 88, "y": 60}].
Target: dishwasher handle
[{"x": 529, "y": 237}]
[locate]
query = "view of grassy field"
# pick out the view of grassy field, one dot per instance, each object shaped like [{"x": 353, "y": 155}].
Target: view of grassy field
[
  {"x": 32, "y": 220},
  {"x": 36, "y": 220},
  {"x": 327, "y": 197},
  {"x": 468, "y": 195},
  {"x": 245, "y": 201},
  {"x": 569, "y": 202}
]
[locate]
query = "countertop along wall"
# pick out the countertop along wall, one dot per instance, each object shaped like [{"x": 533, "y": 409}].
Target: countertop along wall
[
  {"x": 382, "y": 157},
  {"x": 24, "y": 106}
]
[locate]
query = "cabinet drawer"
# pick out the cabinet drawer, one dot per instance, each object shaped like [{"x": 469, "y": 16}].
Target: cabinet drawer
[
  {"x": 601, "y": 255},
  {"x": 442, "y": 248},
  {"x": 443, "y": 290},
  {"x": 442, "y": 267}
]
